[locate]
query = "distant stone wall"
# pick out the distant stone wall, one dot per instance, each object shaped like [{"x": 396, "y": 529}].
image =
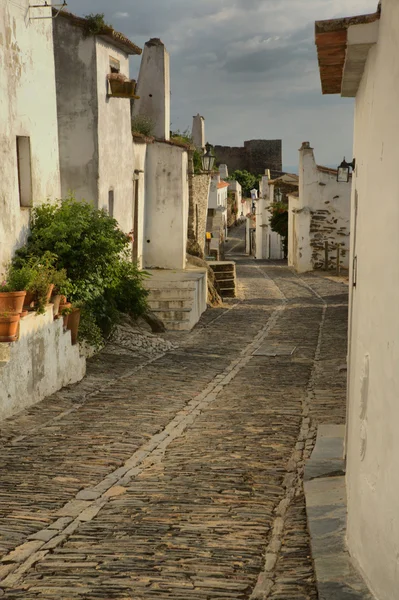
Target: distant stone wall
[{"x": 255, "y": 156}]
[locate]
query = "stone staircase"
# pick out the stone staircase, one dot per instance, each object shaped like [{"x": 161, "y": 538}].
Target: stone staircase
[
  {"x": 178, "y": 298},
  {"x": 225, "y": 275}
]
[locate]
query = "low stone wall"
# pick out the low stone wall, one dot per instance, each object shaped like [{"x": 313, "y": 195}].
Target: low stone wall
[{"x": 41, "y": 362}]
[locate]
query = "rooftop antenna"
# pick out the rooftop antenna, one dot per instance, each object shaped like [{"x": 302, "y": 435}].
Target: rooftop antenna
[{"x": 46, "y": 4}]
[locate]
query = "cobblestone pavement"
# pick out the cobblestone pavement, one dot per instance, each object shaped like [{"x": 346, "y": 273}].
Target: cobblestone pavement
[{"x": 180, "y": 477}]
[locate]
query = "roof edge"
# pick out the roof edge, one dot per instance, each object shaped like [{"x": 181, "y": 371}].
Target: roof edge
[
  {"x": 109, "y": 34},
  {"x": 342, "y": 24}
]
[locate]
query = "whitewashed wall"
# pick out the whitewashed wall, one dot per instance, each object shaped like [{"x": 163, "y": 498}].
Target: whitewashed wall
[
  {"x": 115, "y": 147},
  {"x": 41, "y": 362},
  {"x": 77, "y": 105},
  {"x": 27, "y": 108},
  {"x": 140, "y": 164},
  {"x": 320, "y": 214},
  {"x": 373, "y": 419},
  {"x": 166, "y": 207}
]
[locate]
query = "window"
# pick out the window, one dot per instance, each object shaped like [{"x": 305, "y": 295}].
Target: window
[
  {"x": 24, "y": 171},
  {"x": 111, "y": 203},
  {"x": 114, "y": 65}
]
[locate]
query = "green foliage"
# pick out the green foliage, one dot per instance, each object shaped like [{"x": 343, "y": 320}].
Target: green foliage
[
  {"x": 279, "y": 221},
  {"x": 185, "y": 137},
  {"x": 17, "y": 279},
  {"x": 91, "y": 259},
  {"x": 35, "y": 274},
  {"x": 95, "y": 24},
  {"x": 247, "y": 181},
  {"x": 143, "y": 125}
]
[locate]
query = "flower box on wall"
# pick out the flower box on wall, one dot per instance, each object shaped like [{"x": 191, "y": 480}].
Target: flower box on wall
[{"x": 120, "y": 87}]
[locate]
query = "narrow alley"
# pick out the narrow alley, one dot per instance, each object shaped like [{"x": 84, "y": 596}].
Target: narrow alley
[{"x": 181, "y": 477}]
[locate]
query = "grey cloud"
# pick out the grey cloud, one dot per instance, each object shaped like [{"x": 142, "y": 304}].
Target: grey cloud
[{"x": 227, "y": 64}]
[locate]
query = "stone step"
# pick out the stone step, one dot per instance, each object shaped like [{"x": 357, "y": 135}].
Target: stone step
[
  {"x": 227, "y": 284},
  {"x": 169, "y": 303},
  {"x": 181, "y": 325},
  {"x": 166, "y": 293},
  {"x": 171, "y": 314},
  {"x": 224, "y": 275},
  {"x": 230, "y": 293}
]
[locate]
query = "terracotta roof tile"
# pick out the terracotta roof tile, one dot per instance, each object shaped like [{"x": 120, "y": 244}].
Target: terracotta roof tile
[
  {"x": 223, "y": 184},
  {"x": 331, "y": 42}
]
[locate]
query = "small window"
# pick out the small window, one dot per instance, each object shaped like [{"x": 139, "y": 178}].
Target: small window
[
  {"x": 114, "y": 65},
  {"x": 111, "y": 203},
  {"x": 24, "y": 171}
]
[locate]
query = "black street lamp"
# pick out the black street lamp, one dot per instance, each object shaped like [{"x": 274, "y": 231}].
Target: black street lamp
[
  {"x": 208, "y": 159},
  {"x": 344, "y": 171}
]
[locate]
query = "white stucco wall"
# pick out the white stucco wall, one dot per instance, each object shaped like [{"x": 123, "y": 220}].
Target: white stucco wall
[
  {"x": 320, "y": 214},
  {"x": 77, "y": 105},
  {"x": 166, "y": 206},
  {"x": 41, "y": 362},
  {"x": 115, "y": 147},
  {"x": 198, "y": 132},
  {"x": 268, "y": 242},
  {"x": 373, "y": 418},
  {"x": 27, "y": 108},
  {"x": 140, "y": 165},
  {"x": 153, "y": 88}
]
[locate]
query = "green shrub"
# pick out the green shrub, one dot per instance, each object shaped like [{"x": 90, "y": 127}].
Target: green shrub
[
  {"x": 143, "y": 125},
  {"x": 95, "y": 24},
  {"x": 279, "y": 222},
  {"x": 91, "y": 256}
]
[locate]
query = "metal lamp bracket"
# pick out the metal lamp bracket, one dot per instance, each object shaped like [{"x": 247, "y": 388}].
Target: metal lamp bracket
[{"x": 60, "y": 7}]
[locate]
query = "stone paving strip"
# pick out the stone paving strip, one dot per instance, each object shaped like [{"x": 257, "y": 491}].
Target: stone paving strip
[{"x": 173, "y": 480}]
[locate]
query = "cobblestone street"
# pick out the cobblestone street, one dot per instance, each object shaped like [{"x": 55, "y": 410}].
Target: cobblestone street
[{"x": 180, "y": 477}]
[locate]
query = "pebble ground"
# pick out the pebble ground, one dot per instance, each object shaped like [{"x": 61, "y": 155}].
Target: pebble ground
[{"x": 180, "y": 477}]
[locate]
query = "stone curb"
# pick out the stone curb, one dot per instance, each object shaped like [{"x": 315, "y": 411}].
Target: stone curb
[{"x": 325, "y": 494}]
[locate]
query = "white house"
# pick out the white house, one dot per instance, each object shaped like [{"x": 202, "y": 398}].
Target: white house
[
  {"x": 318, "y": 215},
  {"x": 29, "y": 163},
  {"x": 358, "y": 58},
  {"x": 43, "y": 359},
  {"x": 269, "y": 244},
  {"x": 218, "y": 194},
  {"x": 94, "y": 123}
]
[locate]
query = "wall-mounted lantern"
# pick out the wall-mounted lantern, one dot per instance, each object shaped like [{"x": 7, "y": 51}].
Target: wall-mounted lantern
[
  {"x": 279, "y": 195},
  {"x": 254, "y": 208},
  {"x": 208, "y": 160},
  {"x": 344, "y": 171}
]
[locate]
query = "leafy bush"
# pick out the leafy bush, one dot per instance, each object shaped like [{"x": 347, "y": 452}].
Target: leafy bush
[
  {"x": 92, "y": 254},
  {"x": 185, "y": 137},
  {"x": 95, "y": 24},
  {"x": 143, "y": 125},
  {"x": 247, "y": 181}
]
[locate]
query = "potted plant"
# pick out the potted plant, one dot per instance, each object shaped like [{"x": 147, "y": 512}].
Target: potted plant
[
  {"x": 73, "y": 323},
  {"x": 13, "y": 289},
  {"x": 62, "y": 286},
  {"x": 117, "y": 83},
  {"x": 9, "y": 326},
  {"x": 65, "y": 311}
]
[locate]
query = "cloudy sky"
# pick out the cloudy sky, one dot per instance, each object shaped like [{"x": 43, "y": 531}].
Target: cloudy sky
[{"x": 248, "y": 66}]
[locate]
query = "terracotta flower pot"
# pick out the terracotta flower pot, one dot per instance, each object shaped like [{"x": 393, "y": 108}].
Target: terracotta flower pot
[
  {"x": 73, "y": 324},
  {"x": 29, "y": 300},
  {"x": 12, "y": 302},
  {"x": 49, "y": 292},
  {"x": 117, "y": 87},
  {"x": 56, "y": 301},
  {"x": 9, "y": 328},
  {"x": 65, "y": 317}
]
